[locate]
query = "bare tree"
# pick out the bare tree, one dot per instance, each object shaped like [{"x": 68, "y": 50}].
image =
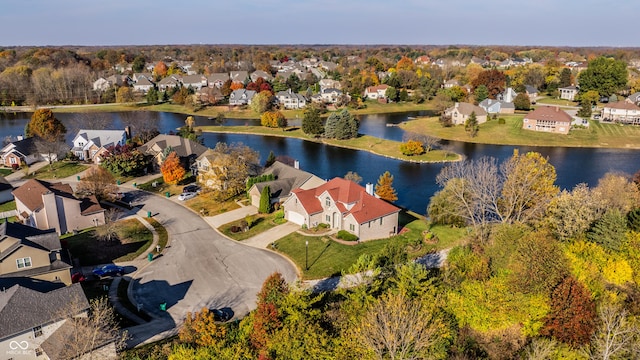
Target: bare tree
[
  {"x": 353, "y": 176},
  {"x": 397, "y": 327},
  {"x": 51, "y": 150},
  {"x": 100, "y": 182},
  {"x": 428, "y": 142},
  {"x": 89, "y": 334},
  {"x": 540, "y": 349},
  {"x": 617, "y": 337},
  {"x": 109, "y": 231}
]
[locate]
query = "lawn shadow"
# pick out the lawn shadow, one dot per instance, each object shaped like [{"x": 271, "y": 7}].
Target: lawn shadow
[{"x": 320, "y": 255}]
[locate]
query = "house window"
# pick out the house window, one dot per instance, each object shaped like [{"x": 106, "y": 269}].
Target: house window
[
  {"x": 13, "y": 160},
  {"x": 352, "y": 227},
  {"x": 38, "y": 352},
  {"x": 37, "y": 331},
  {"x": 327, "y": 202},
  {"x": 380, "y": 221},
  {"x": 327, "y": 218},
  {"x": 23, "y": 262}
]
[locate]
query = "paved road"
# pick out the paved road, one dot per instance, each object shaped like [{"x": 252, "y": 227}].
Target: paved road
[{"x": 199, "y": 268}]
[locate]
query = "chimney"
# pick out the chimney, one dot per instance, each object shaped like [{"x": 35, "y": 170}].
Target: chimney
[
  {"x": 457, "y": 103},
  {"x": 369, "y": 188},
  {"x": 20, "y": 137},
  {"x": 127, "y": 130},
  {"x": 296, "y": 164}
]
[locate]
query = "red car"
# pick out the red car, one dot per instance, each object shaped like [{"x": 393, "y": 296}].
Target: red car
[{"x": 77, "y": 277}]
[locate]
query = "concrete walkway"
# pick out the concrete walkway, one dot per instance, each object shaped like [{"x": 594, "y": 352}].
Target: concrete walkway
[
  {"x": 265, "y": 239},
  {"x": 229, "y": 216}
]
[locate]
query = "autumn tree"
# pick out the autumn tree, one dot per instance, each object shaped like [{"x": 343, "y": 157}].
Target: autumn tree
[
  {"x": 616, "y": 191},
  {"x": 312, "y": 122},
  {"x": 471, "y": 126},
  {"x": 267, "y": 318},
  {"x": 261, "y": 102},
  {"x": 171, "y": 168},
  {"x": 412, "y": 147},
  {"x": 235, "y": 163},
  {"x": 522, "y": 102},
  {"x": 124, "y": 95},
  {"x": 273, "y": 119},
  {"x": 124, "y": 160},
  {"x": 98, "y": 181},
  {"x": 571, "y": 213},
  {"x": 108, "y": 231},
  {"x": 49, "y": 134},
  {"x": 616, "y": 337},
  {"x": 384, "y": 187},
  {"x": 572, "y": 316},
  {"x": 493, "y": 79},
  {"x": 160, "y": 70},
  {"x": 353, "y": 176},
  {"x": 201, "y": 329}
]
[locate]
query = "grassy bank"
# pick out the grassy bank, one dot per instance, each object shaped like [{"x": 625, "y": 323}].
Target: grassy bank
[
  {"x": 512, "y": 133},
  {"x": 382, "y": 147}
]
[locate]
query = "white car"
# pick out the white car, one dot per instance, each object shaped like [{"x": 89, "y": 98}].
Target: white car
[{"x": 187, "y": 196}]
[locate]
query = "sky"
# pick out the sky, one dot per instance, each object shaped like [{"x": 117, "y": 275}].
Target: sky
[{"x": 353, "y": 22}]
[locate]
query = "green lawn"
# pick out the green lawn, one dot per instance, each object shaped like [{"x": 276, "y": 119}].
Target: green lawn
[
  {"x": 134, "y": 237},
  {"x": 388, "y": 148},
  {"x": 11, "y": 205},
  {"x": 261, "y": 223},
  {"x": 328, "y": 258},
  {"x": 5, "y": 171},
  {"x": 163, "y": 236},
  {"x": 511, "y": 133},
  {"x": 553, "y": 101},
  {"x": 58, "y": 170}
]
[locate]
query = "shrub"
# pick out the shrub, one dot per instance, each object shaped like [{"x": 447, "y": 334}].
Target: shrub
[
  {"x": 346, "y": 236},
  {"x": 502, "y": 121}
]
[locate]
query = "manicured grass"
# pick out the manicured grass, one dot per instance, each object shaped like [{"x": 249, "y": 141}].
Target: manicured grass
[
  {"x": 511, "y": 133},
  {"x": 388, "y": 148},
  {"x": 559, "y": 102},
  {"x": 261, "y": 223},
  {"x": 58, "y": 170},
  {"x": 205, "y": 205},
  {"x": 5, "y": 171},
  {"x": 163, "y": 236},
  {"x": 134, "y": 237},
  {"x": 161, "y": 187},
  {"x": 328, "y": 258},
  {"x": 11, "y": 205}
]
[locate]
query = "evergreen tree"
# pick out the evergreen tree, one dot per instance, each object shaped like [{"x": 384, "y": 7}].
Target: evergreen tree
[
  {"x": 152, "y": 96},
  {"x": 610, "y": 230},
  {"x": 265, "y": 200},
  {"x": 565, "y": 78},
  {"x": 471, "y": 125},
  {"x": 311, "y": 122},
  {"x": 341, "y": 126},
  {"x": 270, "y": 159},
  {"x": 585, "y": 109},
  {"x": 384, "y": 187},
  {"x": 481, "y": 93}
]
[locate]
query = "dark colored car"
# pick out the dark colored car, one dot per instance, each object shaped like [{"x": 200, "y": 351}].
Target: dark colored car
[
  {"x": 191, "y": 188},
  {"x": 222, "y": 315},
  {"x": 108, "y": 270}
]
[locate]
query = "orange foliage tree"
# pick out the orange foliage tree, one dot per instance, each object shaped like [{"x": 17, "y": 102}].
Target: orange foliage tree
[
  {"x": 384, "y": 187},
  {"x": 172, "y": 170},
  {"x": 201, "y": 329},
  {"x": 412, "y": 147},
  {"x": 236, "y": 85},
  {"x": 267, "y": 318},
  {"x": 405, "y": 63},
  {"x": 160, "y": 70}
]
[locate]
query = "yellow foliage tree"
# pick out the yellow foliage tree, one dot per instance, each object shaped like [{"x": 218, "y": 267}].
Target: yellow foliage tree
[
  {"x": 273, "y": 119},
  {"x": 412, "y": 147},
  {"x": 201, "y": 329},
  {"x": 172, "y": 170},
  {"x": 384, "y": 187}
]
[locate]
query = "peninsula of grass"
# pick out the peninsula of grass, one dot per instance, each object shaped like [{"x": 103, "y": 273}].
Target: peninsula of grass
[
  {"x": 328, "y": 258},
  {"x": 58, "y": 170},
  {"x": 597, "y": 135},
  {"x": 377, "y": 146}
]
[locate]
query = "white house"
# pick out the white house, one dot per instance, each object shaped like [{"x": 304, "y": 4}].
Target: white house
[
  {"x": 621, "y": 112},
  {"x": 569, "y": 92},
  {"x": 90, "y": 145},
  {"x": 291, "y": 100},
  {"x": 376, "y": 92}
]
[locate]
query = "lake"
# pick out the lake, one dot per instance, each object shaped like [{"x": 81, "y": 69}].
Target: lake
[{"x": 415, "y": 183}]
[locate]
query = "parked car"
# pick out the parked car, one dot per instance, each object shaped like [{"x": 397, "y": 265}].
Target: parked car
[
  {"x": 191, "y": 188},
  {"x": 222, "y": 315},
  {"x": 77, "y": 277},
  {"x": 108, "y": 270},
  {"x": 186, "y": 196}
]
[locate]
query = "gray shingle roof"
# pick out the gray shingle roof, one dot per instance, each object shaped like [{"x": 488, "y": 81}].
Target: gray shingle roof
[
  {"x": 23, "y": 309},
  {"x": 183, "y": 147}
]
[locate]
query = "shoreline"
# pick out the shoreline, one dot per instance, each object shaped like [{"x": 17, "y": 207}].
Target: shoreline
[{"x": 458, "y": 157}]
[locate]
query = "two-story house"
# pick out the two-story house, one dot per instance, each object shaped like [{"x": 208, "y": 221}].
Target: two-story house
[
  {"x": 286, "y": 178},
  {"x": 195, "y": 82},
  {"x": 548, "y": 119},
  {"x": 46, "y": 205},
  {"x": 291, "y": 100},
  {"x": 143, "y": 85},
  {"x": 568, "y": 92},
  {"x": 497, "y": 107},
  {"x": 376, "y": 92},
  {"x": 239, "y": 76},
  {"x": 27, "y": 252},
  {"x": 187, "y": 150},
  {"x": 343, "y": 205},
  {"x": 36, "y": 324},
  {"x": 461, "y": 111},
  {"x": 217, "y": 79},
  {"x": 241, "y": 97},
  {"x": 621, "y": 112},
  {"x": 91, "y": 145},
  {"x": 21, "y": 151}
]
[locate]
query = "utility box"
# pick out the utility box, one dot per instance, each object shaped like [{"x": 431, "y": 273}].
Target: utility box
[
  {"x": 163, "y": 306},
  {"x": 150, "y": 256}
]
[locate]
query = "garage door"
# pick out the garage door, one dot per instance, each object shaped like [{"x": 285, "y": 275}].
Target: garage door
[{"x": 295, "y": 218}]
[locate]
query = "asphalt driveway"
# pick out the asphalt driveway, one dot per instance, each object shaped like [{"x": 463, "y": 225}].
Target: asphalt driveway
[{"x": 200, "y": 268}]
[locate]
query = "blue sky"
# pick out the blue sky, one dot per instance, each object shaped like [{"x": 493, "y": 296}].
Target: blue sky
[{"x": 422, "y": 22}]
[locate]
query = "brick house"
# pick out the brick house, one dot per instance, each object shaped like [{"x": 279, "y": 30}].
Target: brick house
[{"x": 548, "y": 119}]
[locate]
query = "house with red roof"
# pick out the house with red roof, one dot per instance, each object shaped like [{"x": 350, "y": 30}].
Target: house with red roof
[
  {"x": 548, "y": 119},
  {"x": 376, "y": 92},
  {"x": 343, "y": 205}
]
